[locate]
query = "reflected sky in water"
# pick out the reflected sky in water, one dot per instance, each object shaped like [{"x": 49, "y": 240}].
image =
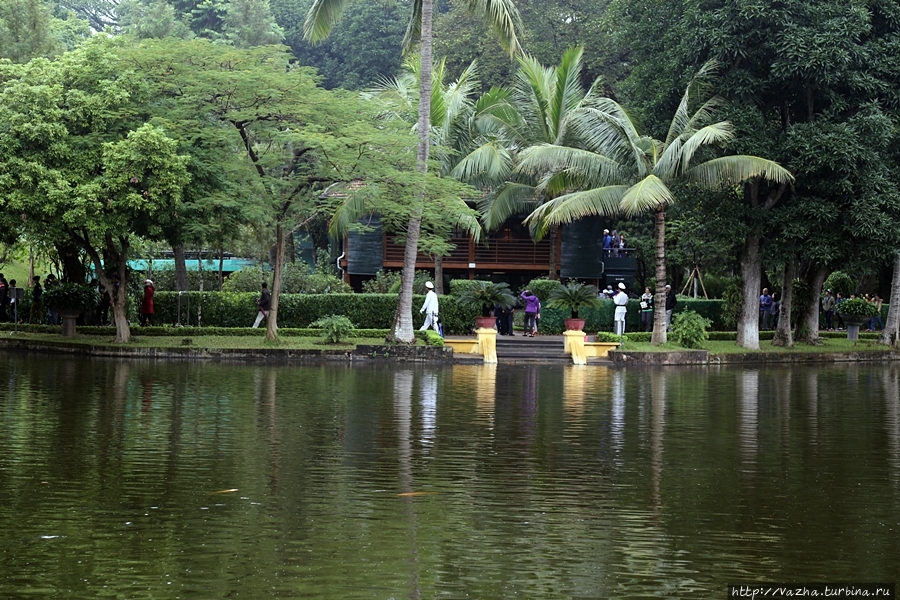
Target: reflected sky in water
[{"x": 176, "y": 480}]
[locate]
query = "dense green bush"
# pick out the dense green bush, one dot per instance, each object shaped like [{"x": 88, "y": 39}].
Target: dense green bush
[
  {"x": 689, "y": 329},
  {"x": 840, "y": 282},
  {"x": 295, "y": 279},
  {"x": 857, "y": 308},
  {"x": 542, "y": 288}
]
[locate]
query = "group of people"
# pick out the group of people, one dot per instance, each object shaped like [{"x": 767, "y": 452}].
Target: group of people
[
  {"x": 829, "y": 308},
  {"x": 614, "y": 241},
  {"x": 647, "y": 308},
  {"x": 10, "y": 299},
  {"x": 769, "y": 309}
]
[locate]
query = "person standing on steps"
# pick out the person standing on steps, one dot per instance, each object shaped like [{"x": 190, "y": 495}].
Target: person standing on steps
[
  {"x": 430, "y": 308},
  {"x": 621, "y": 302},
  {"x": 264, "y": 303},
  {"x": 532, "y": 307}
]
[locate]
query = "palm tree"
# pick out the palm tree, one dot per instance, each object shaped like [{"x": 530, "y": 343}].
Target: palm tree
[
  {"x": 617, "y": 169},
  {"x": 545, "y": 99},
  {"x": 503, "y": 18},
  {"x": 460, "y": 121}
]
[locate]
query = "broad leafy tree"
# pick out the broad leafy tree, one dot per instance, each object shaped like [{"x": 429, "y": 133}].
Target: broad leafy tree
[{"x": 79, "y": 163}]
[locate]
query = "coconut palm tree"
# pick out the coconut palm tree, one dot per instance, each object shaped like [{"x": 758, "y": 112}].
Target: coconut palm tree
[
  {"x": 618, "y": 169},
  {"x": 545, "y": 100},
  {"x": 503, "y": 18},
  {"x": 461, "y": 121}
]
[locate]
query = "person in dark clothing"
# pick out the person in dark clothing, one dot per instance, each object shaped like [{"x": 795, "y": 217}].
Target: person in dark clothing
[
  {"x": 147, "y": 308},
  {"x": 13, "y": 301},
  {"x": 502, "y": 315},
  {"x": 37, "y": 295},
  {"x": 671, "y": 301},
  {"x": 264, "y": 303},
  {"x": 4, "y": 299}
]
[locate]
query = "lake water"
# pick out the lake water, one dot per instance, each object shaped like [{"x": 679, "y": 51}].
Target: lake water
[{"x": 176, "y": 480}]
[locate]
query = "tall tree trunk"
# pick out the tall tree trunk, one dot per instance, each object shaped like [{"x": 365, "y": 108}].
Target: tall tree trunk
[
  {"x": 659, "y": 301},
  {"x": 889, "y": 334},
  {"x": 554, "y": 253},
  {"x": 114, "y": 258},
  {"x": 70, "y": 259},
  {"x": 181, "y": 278},
  {"x": 751, "y": 272},
  {"x": 272, "y": 319},
  {"x": 439, "y": 275},
  {"x": 808, "y": 314},
  {"x": 403, "y": 330},
  {"x": 783, "y": 332}
]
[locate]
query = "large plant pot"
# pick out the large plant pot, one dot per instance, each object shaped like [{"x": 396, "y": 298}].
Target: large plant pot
[
  {"x": 853, "y": 323},
  {"x": 68, "y": 316},
  {"x": 574, "y": 324},
  {"x": 485, "y": 322}
]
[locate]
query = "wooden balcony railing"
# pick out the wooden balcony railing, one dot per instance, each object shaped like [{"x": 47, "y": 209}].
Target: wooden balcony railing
[{"x": 497, "y": 254}]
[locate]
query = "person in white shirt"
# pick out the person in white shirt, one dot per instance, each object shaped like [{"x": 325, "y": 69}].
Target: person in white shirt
[
  {"x": 430, "y": 308},
  {"x": 621, "y": 300}
]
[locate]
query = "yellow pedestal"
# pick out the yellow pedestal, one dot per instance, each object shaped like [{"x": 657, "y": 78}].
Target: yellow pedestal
[
  {"x": 574, "y": 345},
  {"x": 487, "y": 342}
]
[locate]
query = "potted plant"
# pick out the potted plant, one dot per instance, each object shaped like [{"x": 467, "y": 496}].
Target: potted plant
[
  {"x": 484, "y": 296},
  {"x": 855, "y": 312},
  {"x": 69, "y": 300},
  {"x": 572, "y": 297}
]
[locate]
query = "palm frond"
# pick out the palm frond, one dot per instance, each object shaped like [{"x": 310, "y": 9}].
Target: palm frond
[
  {"x": 646, "y": 195},
  {"x": 509, "y": 199},
  {"x": 607, "y": 129},
  {"x": 413, "y": 28},
  {"x": 732, "y": 170},
  {"x": 320, "y": 19},
  {"x": 469, "y": 223},
  {"x": 489, "y": 162},
  {"x": 567, "y": 92},
  {"x": 697, "y": 88},
  {"x": 347, "y": 213},
  {"x": 502, "y": 17},
  {"x": 717, "y": 133},
  {"x": 533, "y": 90},
  {"x": 589, "y": 167},
  {"x": 571, "y": 207}
]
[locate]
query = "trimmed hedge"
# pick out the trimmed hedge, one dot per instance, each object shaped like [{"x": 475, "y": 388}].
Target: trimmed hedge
[{"x": 366, "y": 311}]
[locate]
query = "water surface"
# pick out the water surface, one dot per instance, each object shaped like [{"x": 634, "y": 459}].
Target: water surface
[{"x": 179, "y": 480}]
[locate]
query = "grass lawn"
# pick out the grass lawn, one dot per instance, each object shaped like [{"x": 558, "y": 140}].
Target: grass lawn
[
  {"x": 200, "y": 342},
  {"x": 828, "y": 345}
]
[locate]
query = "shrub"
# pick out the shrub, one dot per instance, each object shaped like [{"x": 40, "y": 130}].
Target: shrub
[
  {"x": 430, "y": 337},
  {"x": 689, "y": 329},
  {"x": 574, "y": 297},
  {"x": 731, "y": 307},
  {"x": 335, "y": 327},
  {"x": 542, "y": 288},
  {"x": 857, "y": 308},
  {"x": 840, "y": 282},
  {"x": 71, "y": 296},
  {"x": 485, "y": 295},
  {"x": 606, "y": 336}
]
